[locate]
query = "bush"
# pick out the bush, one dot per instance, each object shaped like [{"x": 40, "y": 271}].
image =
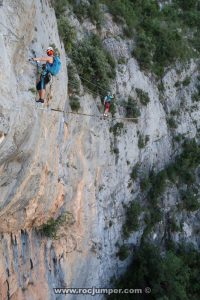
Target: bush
[
  {"x": 132, "y": 215},
  {"x": 171, "y": 122},
  {"x": 177, "y": 84},
  {"x": 190, "y": 200},
  {"x": 73, "y": 82},
  {"x": 134, "y": 172},
  {"x": 89, "y": 10},
  {"x": 95, "y": 14},
  {"x": 67, "y": 33},
  {"x": 196, "y": 95},
  {"x": 32, "y": 90},
  {"x": 132, "y": 110},
  {"x": 173, "y": 225},
  {"x": 74, "y": 103},
  {"x": 186, "y": 81},
  {"x": 117, "y": 129},
  {"x": 93, "y": 64},
  {"x": 161, "y": 34},
  {"x": 142, "y": 141},
  {"x": 170, "y": 275},
  {"x": 59, "y": 6},
  {"x": 123, "y": 13},
  {"x": 145, "y": 184},
  {"x": 123, "y": 252},
  {"x": 50, "y": 228},
  {"x": 116, "y": 151},
  {"x": 113, "y": 108},
  {"x": 143, "y": 96},
  {"x": 122, "y": 61}
]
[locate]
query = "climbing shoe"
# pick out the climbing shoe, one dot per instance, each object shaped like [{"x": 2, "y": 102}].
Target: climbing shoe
[{"x": 40, "y": 100}]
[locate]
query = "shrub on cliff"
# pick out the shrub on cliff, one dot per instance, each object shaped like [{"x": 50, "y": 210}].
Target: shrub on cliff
[
  {"x": 132, "y": 219},
  {"x": 163, "y": 35},
  {"x": 67, "y": 33},
  {"x": 132, "y": 109},
  {"x": 94, "y": 65},
  {"x": 170, "y": 275}
]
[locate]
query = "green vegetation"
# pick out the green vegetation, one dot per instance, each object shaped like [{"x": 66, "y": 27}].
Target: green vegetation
[
  {"x": 122, "y": 61},
  {"x": 132, "y": 215},
  {"x": 132, "y": 110},
  {"x": 113, "y": 108},
  {"x": 74, "y": 103},
  {"x": 143, "y": 96},
  {"x": 190, "y": 199},
  {"x": 195, "y": 97},
  {"x": 173, "y": 226},
  {"x": 123, "y": 252},
  {"x": 67, "y": 33},
  {"x": 73, "y": 82},
  {"x": 90, "y": 9},
  {"x": 145, "y": 184},
  {"x": 163, "y": 36},
  {"x": 186, "y": 81},
  {"x": 50, "y": 228},
  {"x": 196, "y": 94},
  {"x": 171, "y": 122},
  {"x": 172, "y": 275},
  {"x": 177, "y": 84},
  {"x": 32, "y": 90},
  {"x": 117, "y": 129},
  {"x": 161, "y": 87},
  {"x": 94, "y": 64},
  {"x": 60, "y": 7},
  {"x": 115, "y": 150},
  {"x": 134, "y": 172},
  {"x": 181, "y": 171},
  {"x": 142, "y": 141}
]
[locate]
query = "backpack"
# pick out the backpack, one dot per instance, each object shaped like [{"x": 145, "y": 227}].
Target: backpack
[
  {"x": 108, "y": 98},
  {"x": 55, "y": 67}
]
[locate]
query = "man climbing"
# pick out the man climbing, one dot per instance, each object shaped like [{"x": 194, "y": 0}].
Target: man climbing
[
  {"x": 51, "y": 67},
  {"x": 107, "y": 102}
]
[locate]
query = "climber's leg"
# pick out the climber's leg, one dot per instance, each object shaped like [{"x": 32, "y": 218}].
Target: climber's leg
[
  {"x": 107, "y": 108},
  {"x": 41, "y": 89},
  {"x": 42, "y": 94}
]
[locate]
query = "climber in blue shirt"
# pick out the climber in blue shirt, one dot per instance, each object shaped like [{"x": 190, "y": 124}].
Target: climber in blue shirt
[
  {"x": 107, "y": 102},
  {"x": 45, "y": 76}
]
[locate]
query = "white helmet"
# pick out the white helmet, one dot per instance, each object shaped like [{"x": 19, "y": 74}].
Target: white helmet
[{"x": 50, "y": 51}]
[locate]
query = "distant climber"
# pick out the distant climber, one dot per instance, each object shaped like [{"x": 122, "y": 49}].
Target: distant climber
[
  {"x": 107, "y": 102},
  {"x": 51, "y": 67}
]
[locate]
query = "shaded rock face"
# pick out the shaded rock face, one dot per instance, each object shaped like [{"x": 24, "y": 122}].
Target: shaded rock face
[{"x": 47, "y": 168}]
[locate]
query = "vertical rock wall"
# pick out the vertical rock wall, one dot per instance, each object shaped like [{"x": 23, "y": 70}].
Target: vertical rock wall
[{"x": 48, "y": 168}]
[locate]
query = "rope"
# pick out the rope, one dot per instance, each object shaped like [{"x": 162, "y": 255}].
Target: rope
[
  {"x": 84, "y": 114},
  {"x": 74, "y": 113},
  {"x": 90, "y": 115},
  {"x": 86, "y": 89},
  {"x": 93, "y": 84}
]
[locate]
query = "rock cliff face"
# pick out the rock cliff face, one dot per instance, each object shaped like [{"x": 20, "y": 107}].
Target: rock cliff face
[{"x": 53, "y": 163}]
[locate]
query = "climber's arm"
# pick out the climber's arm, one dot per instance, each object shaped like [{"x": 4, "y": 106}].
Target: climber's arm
[{"x": 45, "y": 59}]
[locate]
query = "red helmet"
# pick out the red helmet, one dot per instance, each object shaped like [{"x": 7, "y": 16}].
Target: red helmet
[{"x": 50, "y": 51}]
